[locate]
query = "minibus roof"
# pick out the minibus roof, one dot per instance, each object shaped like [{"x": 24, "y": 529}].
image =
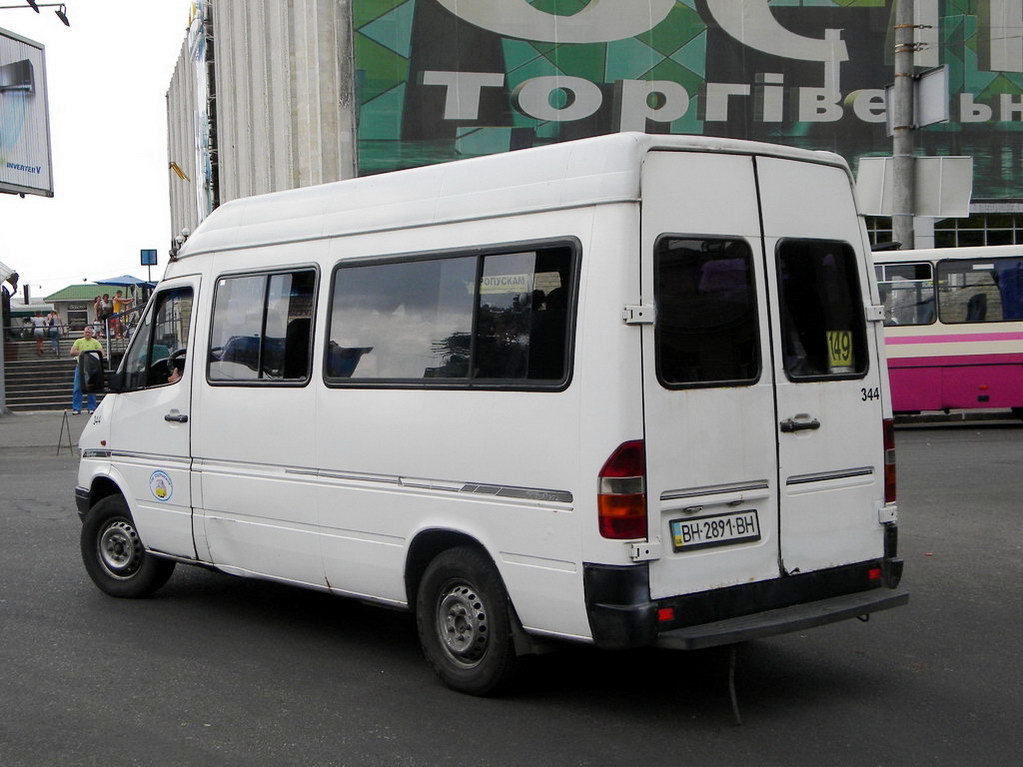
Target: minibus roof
[{"x": 593, "y": 171}]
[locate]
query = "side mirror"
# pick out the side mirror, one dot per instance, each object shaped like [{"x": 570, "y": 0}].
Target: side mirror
[{"x": 90, "y": 372}]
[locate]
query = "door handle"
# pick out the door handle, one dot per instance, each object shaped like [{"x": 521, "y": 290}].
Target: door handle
[
  {"x": 176, "y": 417},
  {"x": 790, "y": 425}
]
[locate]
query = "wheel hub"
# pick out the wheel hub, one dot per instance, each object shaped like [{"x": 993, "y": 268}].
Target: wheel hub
[
  {"x": 462, "y": 624},
  {"x": 120, "y": 550}
]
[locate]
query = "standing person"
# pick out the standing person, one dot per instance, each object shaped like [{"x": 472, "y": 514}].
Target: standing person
[
  {"x": 86, "y": 343},
  {"x": 54, "y": 327},
  {"x": 39, "y": 330},
  {"x": 121, "y": 305},
  {"x": 106, "y": 307}
]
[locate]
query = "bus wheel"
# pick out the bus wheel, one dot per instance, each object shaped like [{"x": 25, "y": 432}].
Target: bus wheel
[
  {"x": 113, "y": 553},
  {"x": 463, "y": 617}
]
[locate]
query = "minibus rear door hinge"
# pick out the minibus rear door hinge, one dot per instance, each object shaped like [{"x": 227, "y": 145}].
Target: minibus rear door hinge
[
  {"x": 638, "y": 315},
  {"x": 874, "y": 312},
  {"x": 644, "y": 552},
  {"x": 887, "y": 512}
]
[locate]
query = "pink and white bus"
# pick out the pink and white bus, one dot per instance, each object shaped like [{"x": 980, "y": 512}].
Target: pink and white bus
[{"x": 953, "y": 327}]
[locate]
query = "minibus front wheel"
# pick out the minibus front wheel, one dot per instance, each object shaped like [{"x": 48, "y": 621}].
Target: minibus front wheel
[
  {"x": 464, "y": 620},
  {"x": 114, "y": 555}
]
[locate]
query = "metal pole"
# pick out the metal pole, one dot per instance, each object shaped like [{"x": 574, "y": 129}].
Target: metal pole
[
  {"x": 902, "y": 126},
  {"x": 3, "y": 371}
]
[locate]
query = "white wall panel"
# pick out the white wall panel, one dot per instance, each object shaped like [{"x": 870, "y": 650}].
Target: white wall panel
[{"x": 284, "y": 99}]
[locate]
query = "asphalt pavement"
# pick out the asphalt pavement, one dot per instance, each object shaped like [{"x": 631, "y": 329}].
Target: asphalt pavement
[
  {"x": 215, "y": 670},
  {"x": 41, "y": 429}
]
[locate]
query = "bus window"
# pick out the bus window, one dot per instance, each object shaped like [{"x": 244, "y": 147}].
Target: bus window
[
  {"x": 821, "y": 310},
  {"x": 907, "y": 292},
  {"x": 261, "y": 330},
  {"x": 980, "y": 291},
  {"x": 161, "y": 341},
  {"x": 496, "y": 318},
  {"x": 706, "y": 330}
]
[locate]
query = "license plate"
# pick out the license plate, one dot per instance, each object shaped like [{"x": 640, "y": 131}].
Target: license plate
[{"x": 715, "y": 530}]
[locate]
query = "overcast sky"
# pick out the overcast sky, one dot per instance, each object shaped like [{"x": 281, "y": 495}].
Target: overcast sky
[{"x": 108, "y": 76}]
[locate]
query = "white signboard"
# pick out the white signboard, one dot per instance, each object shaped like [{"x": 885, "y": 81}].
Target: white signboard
[
  {"x": 24, "y": 118},
  {"x": 942, "y": 186}
]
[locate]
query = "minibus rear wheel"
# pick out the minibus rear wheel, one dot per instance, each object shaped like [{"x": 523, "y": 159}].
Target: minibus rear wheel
[
  {"x": 464, "y": 620},
  {"x": 114, "y": 555}
]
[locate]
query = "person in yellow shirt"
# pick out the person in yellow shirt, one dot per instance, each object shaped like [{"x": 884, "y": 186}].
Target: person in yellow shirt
[
  {"x": 121, "y": 304},
  {"x": 86, "y": 343}
]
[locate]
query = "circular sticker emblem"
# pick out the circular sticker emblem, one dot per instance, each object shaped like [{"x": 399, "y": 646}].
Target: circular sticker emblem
[{"x": 160, "y": 486}]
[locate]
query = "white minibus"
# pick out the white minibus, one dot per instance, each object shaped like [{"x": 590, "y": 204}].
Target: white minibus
[{"x": 627, "y": 391}]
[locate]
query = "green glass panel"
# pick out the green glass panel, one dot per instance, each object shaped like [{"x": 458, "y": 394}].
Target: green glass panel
[
  {"x": 999, "y": 85},
  {"x": 393, "y": 30},
  {"x": 539, "y": 67},
  {"x": 381, "y": 118},
  {"x": 681, "y": 26},
  {"x": 585, "y": 61},
  {"x": 669, "y": 70},
  {"x": 480, "y": 141},
  {"x": 548, "y": 130},
  {"x": 629, "y": 59},
  {"x": 517, "y": 53},
  {"x": 364, "y": 11},
  {"x": 693, "y": 55},
  {"x": 381, "y": 68}
]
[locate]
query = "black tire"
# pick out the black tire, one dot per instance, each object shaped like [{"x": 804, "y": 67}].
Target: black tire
[
  {"x": 113, "y": 553},
  {"x": 464, "y": 619}
]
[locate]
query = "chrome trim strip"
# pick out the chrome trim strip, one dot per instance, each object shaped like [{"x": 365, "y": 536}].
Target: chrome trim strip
[
  {"x": 157, "y": 458},
  {"x": 737, "y": 487},
  {"x": 416, "y": 483},
  {"x": 528, "y": 493},
  {"x": 95, "y": 453},
  {"x": 824, "y": 476}
]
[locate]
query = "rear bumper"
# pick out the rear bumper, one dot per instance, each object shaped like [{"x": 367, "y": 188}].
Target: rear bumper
[
  {"x": 623, "y": 615},
  {"x": 782, "y": 620}
]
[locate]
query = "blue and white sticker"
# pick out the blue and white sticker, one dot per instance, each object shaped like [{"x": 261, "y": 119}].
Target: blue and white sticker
[{"x": 160, "y": 486}]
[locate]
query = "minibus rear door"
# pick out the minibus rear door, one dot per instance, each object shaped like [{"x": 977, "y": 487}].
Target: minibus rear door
[
  {"x": 710, "y": 422},
  {"x": 827, "y": 373}
]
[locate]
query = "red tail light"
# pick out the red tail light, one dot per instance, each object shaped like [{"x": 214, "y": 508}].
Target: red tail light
[
  {"x": 889, "y": 461},
  {"x": 621, "y": 499}
]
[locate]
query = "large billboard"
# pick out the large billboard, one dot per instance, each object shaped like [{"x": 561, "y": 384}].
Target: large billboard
[
  {"x": 439, "y": 80},
  {"x": 24, "y": 118}
]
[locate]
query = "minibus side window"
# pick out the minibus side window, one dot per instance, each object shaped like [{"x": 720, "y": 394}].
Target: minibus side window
[
  {"x": 990, "y": 290},
  {"x": 490, "y": 319},
  {"x": 907, "y": 293},
  {"x": 706, "y": 329},
  {"x": 262, "y": 325},
  {"x": 402, "y": 320},
  {"x": 822, "y": 320},
  {"x": 523, "y": 311},
  {"x": 160, "y": 343}
]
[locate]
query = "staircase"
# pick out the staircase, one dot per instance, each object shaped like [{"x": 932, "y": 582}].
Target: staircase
[{"x": 40, "y": 382}]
